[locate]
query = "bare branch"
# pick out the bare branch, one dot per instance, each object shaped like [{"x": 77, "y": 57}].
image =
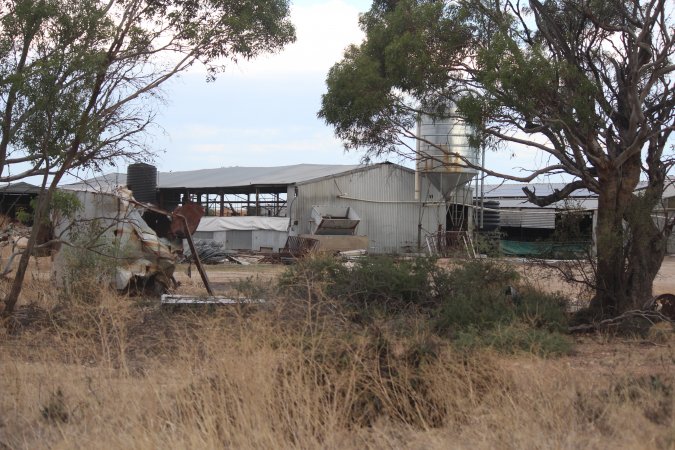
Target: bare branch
[{"x": 556, "y": 196}]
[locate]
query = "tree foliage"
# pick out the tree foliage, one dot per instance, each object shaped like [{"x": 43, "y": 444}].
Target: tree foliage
[
  {"x": 587, "y": 82},
  {"x": 80, "y": 80}
]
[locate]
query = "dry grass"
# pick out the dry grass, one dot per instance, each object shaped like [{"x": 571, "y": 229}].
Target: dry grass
[{"x": 110, "y": 372}]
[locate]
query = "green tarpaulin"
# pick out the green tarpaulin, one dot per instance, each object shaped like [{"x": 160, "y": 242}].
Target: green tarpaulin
[{"x": 554, "y": 250}]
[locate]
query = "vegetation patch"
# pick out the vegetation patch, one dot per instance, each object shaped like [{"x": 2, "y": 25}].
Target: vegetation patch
[{"x": 479, "y": 303}]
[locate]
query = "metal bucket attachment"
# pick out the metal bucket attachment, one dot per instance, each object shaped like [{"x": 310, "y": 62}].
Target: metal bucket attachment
[{"x": 334, "y": 220}]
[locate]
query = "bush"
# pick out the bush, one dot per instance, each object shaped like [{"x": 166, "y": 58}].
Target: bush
[
  {"x": 88, "y": 265},
  {"x": 488, "y": 243},
  {"x": 541, "y": 310},
  {"x": 477, "y": 304},
  {"x": 488, "y": 308},
  {"x": 515, "y": 337},
  {"x": 478, "y": 297},
  {"x": 373, "y": 283}
]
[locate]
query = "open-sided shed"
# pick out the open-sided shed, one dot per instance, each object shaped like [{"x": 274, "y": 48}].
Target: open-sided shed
[{"x": 381, "y": 196}]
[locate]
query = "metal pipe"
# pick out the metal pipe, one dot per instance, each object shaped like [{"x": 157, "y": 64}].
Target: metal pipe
[
  {"x": 418, "y": 158},
  {"x": 482, "y": 188},
  {"x": 257, "y": 201}
]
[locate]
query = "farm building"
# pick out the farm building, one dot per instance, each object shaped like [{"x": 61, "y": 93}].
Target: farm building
[
  {"x": 528, "y": 229},
  {"x": 383, "y": 208},
  {"x": 17, "y": 197}
]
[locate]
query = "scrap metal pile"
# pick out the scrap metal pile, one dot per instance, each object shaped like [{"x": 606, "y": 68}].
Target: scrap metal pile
[
  {"x": 210, "y": 252},
  {"x": 145, "y": 254}
]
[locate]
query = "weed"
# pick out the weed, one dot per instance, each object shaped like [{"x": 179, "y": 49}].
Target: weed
[
  {"x": 372, "y": 285},
  {"x": 515, "y": 337},
  {"x": 55, "y": 410}
]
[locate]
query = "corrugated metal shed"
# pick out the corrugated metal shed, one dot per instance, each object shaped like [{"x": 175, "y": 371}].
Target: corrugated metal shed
[
  {"x": 516, "y": 211},
  {"x": 576, "y": 203},
  {"x": 383, "y": 197},
  {"x": 381, "y": 194},
  {"x": 527, "y": 218},
  {"x": 19, "y": 188},
  {"x": 214, "y": 223}
]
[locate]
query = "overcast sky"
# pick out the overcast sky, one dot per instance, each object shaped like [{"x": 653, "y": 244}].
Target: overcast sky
[{"x": 263, "y": 112}]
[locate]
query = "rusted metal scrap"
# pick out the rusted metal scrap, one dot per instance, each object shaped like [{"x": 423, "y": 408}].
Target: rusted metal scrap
[
  {"x": 181, "y": 227},
  {"x": 143, "y": 256}
]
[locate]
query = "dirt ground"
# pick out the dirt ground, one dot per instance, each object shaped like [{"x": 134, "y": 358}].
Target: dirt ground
[
  {"x": 537, "y": 409},
  {"x": 223, "y": 276}
]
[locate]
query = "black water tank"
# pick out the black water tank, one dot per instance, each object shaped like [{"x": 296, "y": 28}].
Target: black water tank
[
  {"x": 490, "y": 215},
  {"x": 142, "y": 180}
]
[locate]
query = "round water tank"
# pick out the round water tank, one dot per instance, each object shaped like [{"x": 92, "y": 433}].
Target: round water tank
[
  {"x": 490, "y": 215},
  {"x": 142, "y": 180}
]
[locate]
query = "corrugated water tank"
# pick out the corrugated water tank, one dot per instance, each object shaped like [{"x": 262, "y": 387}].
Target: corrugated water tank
[{"x": 142, "y": 181}]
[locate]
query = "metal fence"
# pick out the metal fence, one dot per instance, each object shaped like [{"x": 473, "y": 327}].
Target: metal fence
[{"x": 451, "y": 244}]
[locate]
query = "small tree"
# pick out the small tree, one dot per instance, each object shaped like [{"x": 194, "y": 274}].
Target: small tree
[
  {"x": 590, "y": 83},
  {"x": 79, "y": 80}
]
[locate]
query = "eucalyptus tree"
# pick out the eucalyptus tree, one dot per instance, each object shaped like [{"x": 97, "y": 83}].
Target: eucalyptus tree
[
  {"x": 587, "y": 82},
  {"x": 80, "y": 80}
]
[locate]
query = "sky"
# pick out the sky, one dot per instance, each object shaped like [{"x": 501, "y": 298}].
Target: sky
[{"x": 264, "y": 112}]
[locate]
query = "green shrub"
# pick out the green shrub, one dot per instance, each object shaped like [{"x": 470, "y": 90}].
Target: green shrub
[
  {"x": 87, "y": 265},
  {"x": 373, "y": 283},
  {"x": 488, "y": 308},
  {"x": 477, "y": 297},
  {"x": 542, "y": 310},
  {"x": 515, "y": 337},
  {"x": 473, "y": 304},
  {"x": 488, "y": 243}
]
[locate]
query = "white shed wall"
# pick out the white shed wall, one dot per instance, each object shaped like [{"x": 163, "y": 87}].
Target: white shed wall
[
  {"x": 246, "y": 239},
  {"x": 383, "y": 197}
]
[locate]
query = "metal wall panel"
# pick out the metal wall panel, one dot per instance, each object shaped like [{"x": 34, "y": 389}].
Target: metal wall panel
[
  {"x": 539, "y": 218},
  {"x": 510, "y": 218},
  {"x": 239, "y": 240},
  {"x": 246, "y": 239},
  {"x": 268, "y": 239},
  {"x": 383, "y": 197},
  {"x": 207, "y": 235},
  {"x": 527, "y": 218}
]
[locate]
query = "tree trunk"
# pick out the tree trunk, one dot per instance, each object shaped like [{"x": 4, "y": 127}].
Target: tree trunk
[
  {"x": 609, "y": 235},
  {"x": 630, "y": 249},
  {"x": 646, "y": 249},
  {"x": 41, "y": 212}
]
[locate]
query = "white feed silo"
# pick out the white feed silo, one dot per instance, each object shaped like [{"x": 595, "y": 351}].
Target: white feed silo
[{"x": 443, "y": 149}]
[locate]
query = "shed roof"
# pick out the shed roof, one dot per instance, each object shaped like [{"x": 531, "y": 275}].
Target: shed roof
[
  {"x": 572, "y": 203},
  {"x": 225, "y": 177},
  {"x": 19, "y": 188}
]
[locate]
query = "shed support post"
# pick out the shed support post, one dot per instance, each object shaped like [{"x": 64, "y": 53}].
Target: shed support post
[{"x": 222, "y": 203}]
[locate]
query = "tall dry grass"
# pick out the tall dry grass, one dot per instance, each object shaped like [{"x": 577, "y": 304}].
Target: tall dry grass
[{"x": 103, "y": 371}]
